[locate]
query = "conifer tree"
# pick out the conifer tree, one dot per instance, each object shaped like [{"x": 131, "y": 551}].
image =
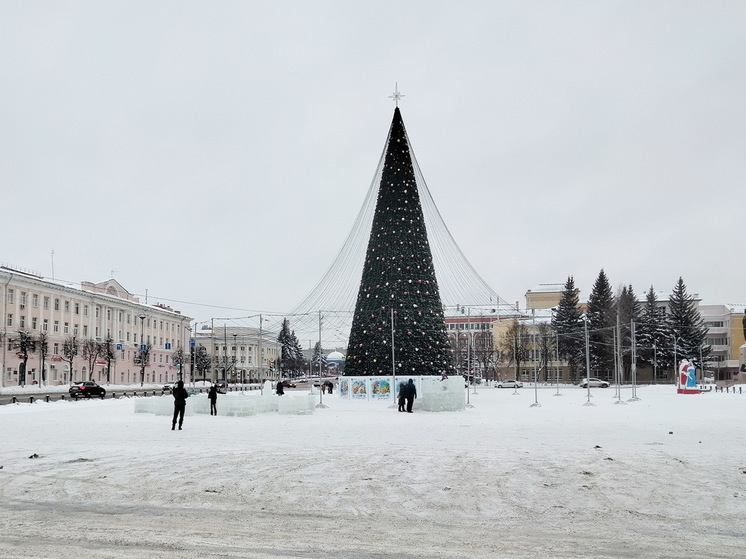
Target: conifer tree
[
  {"x": 601, "y": 322},
  {"x": 568, "y": 326},
  {"x": 628, "y": 310},
  {"x": 398, "y": 291},
  {"x": 652, "y": 330},
  {"x": 688, "y": 328}
]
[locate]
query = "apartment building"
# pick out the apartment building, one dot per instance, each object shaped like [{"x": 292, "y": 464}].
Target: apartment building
[{"x": 42, "y": 308}]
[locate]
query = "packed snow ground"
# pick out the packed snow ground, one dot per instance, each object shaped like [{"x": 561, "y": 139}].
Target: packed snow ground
[{"x": 661, "y": 477}]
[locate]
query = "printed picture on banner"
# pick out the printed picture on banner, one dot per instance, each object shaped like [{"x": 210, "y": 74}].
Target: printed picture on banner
[
  {"x": 358, "y": 389},
  {"x": 380, "y": 388},
  {"x": 344, "y": 388}
]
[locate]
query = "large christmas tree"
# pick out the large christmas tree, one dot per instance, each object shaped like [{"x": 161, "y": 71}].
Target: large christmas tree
[{"x": 398, "y": 280}]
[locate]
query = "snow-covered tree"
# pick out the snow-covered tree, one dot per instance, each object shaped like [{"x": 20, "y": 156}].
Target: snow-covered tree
[
  {"x": 628, "y": 310},
  {"x": 568, "y": 326},
  {"x": 687, "y": 326},
  {"x": 654, "y": 346},
  {"x": 601, "y": 322}
]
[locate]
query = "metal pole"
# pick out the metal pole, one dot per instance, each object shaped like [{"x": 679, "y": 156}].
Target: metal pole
[
  {"x": 587, "y": 364},
  {"x": 260, "y": 357},
  {"x": 321, "y": 391},
  {"x": 536, "y": 403},
  {"x": 633, "y": 333},
  {"x": 393, "y": 363},
  {"x": 556, "y": 341}
]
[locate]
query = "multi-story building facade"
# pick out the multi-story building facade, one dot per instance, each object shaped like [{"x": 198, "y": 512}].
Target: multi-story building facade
[
  {"x": 237, "y": 354},
  {"x": 726, "y": 334},
  {"x": 40, "y": 308}
]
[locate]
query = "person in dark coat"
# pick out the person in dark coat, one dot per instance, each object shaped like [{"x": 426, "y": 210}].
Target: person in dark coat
[
  {"x": 280, "y": 388},
  {"x": 402, "y": 397},
  {"x": 410, "y": 394},
  {"x": 212, "y": 395},
  {"x": 180, "y": 395}
]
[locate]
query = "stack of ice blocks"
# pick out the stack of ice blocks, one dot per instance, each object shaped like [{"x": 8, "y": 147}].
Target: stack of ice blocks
[{"x": 441, "y": 395}]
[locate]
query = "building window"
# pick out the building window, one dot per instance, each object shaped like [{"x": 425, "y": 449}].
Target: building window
[
  {"x": 85, "y": 330},
  {"x": 85, "y": 310},
  {"x": 9, "y": 320},
  {"x": 46, "y": 303},
  {"x": 120, "y": 316},
  {"x": 56, "y": 349},
  {"x": 56, "y": 304},
  {"x": 67, "y": 306},
  {"x": 23, "y": 299},
  {"x": 11, "y": 296},
  {"x": 56, "y": 327},
  {"x": 77, "y": 308},
  {"x": 33, "y": 323},
  {"x": 98, "y": 310},
  {"x": 45, "y": 325},
  {"x": 97, "y": 334},
  {"x": 66, "y": 329},
  {"x": 75, "y": 330},
  {"x": 22, "y": 321},
  {"x": 34, "y": 300}
]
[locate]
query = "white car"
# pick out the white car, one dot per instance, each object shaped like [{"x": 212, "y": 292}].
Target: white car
[
  {"x": 593, "y": 383},
  {"x": 510, "y": 384}
]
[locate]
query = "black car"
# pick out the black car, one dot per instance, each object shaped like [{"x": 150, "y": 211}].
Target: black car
[{"x": 87, "y": 389}]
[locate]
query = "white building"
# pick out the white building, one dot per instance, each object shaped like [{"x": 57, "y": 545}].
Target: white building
[
  {"x": 42, "y": 308},
  {"x": 238, "y": 354}
]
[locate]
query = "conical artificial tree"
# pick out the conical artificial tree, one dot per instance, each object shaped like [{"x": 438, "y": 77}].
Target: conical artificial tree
[{"x": 398, "y": 326}]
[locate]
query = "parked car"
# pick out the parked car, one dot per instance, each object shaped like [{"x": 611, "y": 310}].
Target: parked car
[
  {"x": 593, "y": 383},
  {"x": 509, "y": 384},
  {"x": 87, "y": 389},
  {"x": 222, "y": 387},
  {"x": 288, "y": 384},
  {"x": 169, "y": 386}
]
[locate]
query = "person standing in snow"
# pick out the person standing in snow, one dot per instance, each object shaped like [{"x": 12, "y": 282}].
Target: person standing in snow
[
  {"x": 410, "y": 394},
  {"x": 402, "y": 397},
  {"x": 212, "y": 395},
  {"x": 180, "y": 395},
  {"x": 280, "y": 389}
]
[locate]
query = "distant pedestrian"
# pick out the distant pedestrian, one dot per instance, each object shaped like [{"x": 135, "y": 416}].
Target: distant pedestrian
[
  {"x": 180, "y": 395},
  {"x": 329, "y": 386},
  {"x": 410, "y": 394},
  {"x": 280, "y": 389},
  {"x": 402, "y": 396},
  {"x": 212, "y": 395}
]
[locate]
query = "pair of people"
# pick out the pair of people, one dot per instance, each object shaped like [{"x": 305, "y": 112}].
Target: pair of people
[{"x": 407, "y": 395}]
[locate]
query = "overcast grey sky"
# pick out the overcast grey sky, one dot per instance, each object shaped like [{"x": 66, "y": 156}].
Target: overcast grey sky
[{"x": 218, "y": 152}]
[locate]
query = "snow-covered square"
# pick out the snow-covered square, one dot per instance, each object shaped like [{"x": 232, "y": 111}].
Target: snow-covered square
[{"x": 661, "y": 477}]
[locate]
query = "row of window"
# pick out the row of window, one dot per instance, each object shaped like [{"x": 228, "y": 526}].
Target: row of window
[{"x": 122, "y": 316}]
